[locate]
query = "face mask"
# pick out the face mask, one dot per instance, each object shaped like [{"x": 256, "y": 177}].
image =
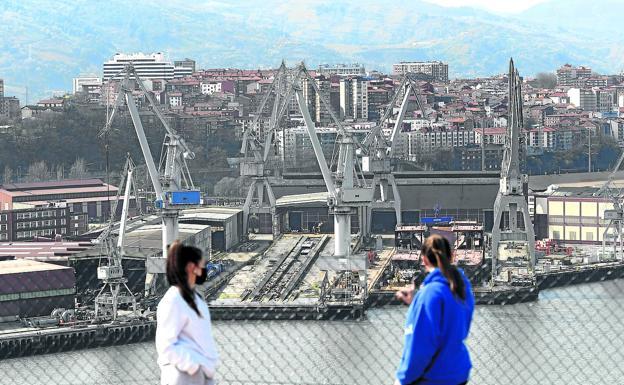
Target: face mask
[{"x": 202, "y": 277}]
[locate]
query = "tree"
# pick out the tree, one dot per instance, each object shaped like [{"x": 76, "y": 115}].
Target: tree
[
  {"x": 38, "y": 172},
  {"x": 228, "y": 187},
  {"x": 546, "y": 80},
  {"x": 529, "y": 122},
  {"x": 78, "y": 170},
  {"x": 8, "y": 175},
  {"x": 60, "y": 172}
]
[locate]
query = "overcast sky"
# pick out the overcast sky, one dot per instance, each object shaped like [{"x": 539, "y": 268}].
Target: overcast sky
[{"x": 499, "y": 6}]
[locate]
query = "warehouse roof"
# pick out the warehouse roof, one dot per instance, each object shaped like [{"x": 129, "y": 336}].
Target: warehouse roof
[
  {"x": 46, "y": 250},
  {"x": 52, "y": 184},
  {"x": 210, "y": 213},
  {"x": 575, "y": 192},
  {"x": 303, "y": 199},
  {"x": 585, "y": 179},
  {"x": 27, "y": 266}
]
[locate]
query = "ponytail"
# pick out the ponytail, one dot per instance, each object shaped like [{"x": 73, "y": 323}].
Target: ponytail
[
  {"x": 438, "y": 251},
  {"x": 178, "y": 256}
]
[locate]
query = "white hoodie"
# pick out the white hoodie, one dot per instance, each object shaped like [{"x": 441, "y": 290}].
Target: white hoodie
[{"x": 184, "y": 339}]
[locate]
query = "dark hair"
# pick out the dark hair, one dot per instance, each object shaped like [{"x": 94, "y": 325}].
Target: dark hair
[
  {"x": 437, "y": 250},
  {"x": 178, "y": 257}
]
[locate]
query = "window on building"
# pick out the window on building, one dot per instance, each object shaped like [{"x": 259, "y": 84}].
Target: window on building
[
  {"x": 556, "y": 235},
  {"x": 589, "y": 236},
  {"x": 572, "y": 235}
]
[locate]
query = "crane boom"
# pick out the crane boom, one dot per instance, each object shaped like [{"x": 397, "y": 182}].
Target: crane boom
[
  {"x": 399, "y": 122},
  {"x": 316, "y": 145},
  {"x": 145, "y": 149},
  {"x": 124, "y": 212},
  {"x": 605, "y": 187}
]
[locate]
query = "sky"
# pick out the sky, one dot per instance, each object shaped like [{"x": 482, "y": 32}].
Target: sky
[{"x": 498, "y": 6}]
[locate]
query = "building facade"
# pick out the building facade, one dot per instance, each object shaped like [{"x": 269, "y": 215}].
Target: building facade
[
  {"x": 354, "y": 69},
  {"x": 568, "y": 75},
  {"x": 354, "y": 98},
  {"x": 91, "y": 196},
  {"x": 425, "y": 142},
  {"x": 148, "y": 66},
  {"x": 26, "y": 224},
  {"x": 183, "y": 68},
  {"x": 296, "y": 148},
  {"x": 437, "y": 70},
  {"x": 574, "y": 214},
  {"x": 9, "y": 108},
  {"x": 86, "y": 84},
  {"x": 31, "y": 288}
]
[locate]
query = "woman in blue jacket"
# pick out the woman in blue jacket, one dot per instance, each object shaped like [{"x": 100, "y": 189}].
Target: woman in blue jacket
[{"x": 438, "y": 321}]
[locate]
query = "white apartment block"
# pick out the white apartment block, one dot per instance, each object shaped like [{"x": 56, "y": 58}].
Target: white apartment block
[
  {"x": 210, "y": 88},
  {"x": 86, "y": 84},
  {"x": 435, "y": 69},
  {"x": 583, "y": 98},
  {"x": 354, "y": 98},
  {"x": 594, "y": 99},
  {"x": 148, "y": 66},
  {"x": 355, "y": 69},
  {"x": 425, "y": 142},
  {"x": 175, "y": 99}
]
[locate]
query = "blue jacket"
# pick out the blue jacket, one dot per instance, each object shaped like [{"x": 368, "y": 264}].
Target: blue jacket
[{"x": 437, "y": 321}]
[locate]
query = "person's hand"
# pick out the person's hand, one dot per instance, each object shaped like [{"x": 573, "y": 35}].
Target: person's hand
[{"x": 406, "y": 294}]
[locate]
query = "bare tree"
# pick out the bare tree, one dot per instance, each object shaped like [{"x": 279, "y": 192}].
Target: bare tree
[
  {"x": 78, "y": 170},
  {"x": 60, "y": 172},
  {"x": 38, "y": 172},
  {"x": 228, "y": 187},
  {"x": 8, "y": 175}
]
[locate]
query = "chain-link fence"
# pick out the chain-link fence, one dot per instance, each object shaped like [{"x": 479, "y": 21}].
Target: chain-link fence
[{"x": 572, "y": 333}]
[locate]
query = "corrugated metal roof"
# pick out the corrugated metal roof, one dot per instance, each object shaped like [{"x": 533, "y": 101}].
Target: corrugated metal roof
[
  {"x": 42, "y": 249},
  {"x": 36, "y": 193},
  {"x": 298, "y": 199},
  {"x": 26, "y": 266},
  {"x": 53, "y": 184},
  {"x": 210, "y": 213}
]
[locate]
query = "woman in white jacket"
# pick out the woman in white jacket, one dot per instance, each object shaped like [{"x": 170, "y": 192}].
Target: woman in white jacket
[{"x": 186, "y": 349}]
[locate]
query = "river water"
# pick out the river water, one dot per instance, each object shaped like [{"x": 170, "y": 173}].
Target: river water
[{"x": 572, "y": 335}]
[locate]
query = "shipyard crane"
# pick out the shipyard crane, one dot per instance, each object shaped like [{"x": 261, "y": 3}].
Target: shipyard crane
[
  {"x": 347, "y": 187},
  {"x": 615, "y": 216},
  {"x": 380, "y": 149},
  {"x": 256, "y": 152},
  {"x": 172, "y": 181},
  {"x": 510, "y": 198},
  {"x": 115, "y": 291}
]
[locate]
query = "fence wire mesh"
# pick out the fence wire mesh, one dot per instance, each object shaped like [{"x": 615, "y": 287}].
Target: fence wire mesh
[{"x": 572, "y": 333}]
